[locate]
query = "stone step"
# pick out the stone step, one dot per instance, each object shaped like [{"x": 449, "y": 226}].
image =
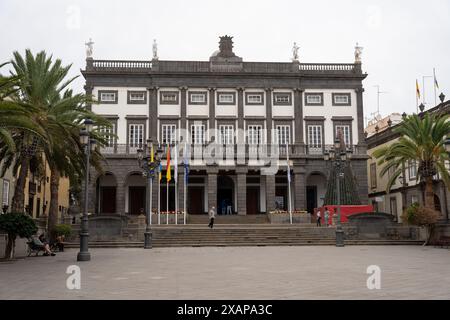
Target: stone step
[{"x": 123, "y": 244}]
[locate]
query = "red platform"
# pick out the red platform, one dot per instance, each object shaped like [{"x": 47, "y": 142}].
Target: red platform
[{"x": 346, "y": 211}]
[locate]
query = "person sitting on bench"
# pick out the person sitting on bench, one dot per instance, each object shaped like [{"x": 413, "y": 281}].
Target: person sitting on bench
[
  {"x": 60, "y": 243},
  {"x": 42, "y": 244}
]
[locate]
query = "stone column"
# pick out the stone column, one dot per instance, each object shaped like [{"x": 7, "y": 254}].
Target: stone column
[
  {"x": 298, "y": 113},
  {"x": 269, "y": 114},
  {"x": 153, "y": 113},
  {"x": 89, "y": 88},
  {"x": 241, "y": 173},
  {"x": 299, "y": 188},
  {"x": 270, "y": 193},
  {"x": 212, "y": 188},
  {"x": 240, "y": 106},
  {"x": 212, "y": 112},
  {"x": 120, "y": 197},
  {"x": 183, "y": 107},
  {"x": 360, "y": 117}
]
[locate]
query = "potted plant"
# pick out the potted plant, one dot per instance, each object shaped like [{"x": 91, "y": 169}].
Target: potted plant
[{"x": 16, "y": 224}]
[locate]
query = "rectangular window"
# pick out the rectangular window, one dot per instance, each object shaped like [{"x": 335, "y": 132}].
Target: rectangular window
[
  {"x": 168, "y": 134},
  {"x": 373, "y": 175},
  {"x": 226, "y": 98},
  {"x": 197, "y": 98},
  {"x": 226, "y": 134},
  {"x": 315, "y": 138},
  {"x": 5, "y": 196},
  {"x": 414, "y": 199},
  {"x": 412, "y": 170},
  {"x": 283, "y": 134},
  {"x": 198, "y": 134},
  {"x": 254, "y": 134},
  {"x": 345, "y": 131},
  {"x": 314, "y": 99},
  {"x": 136, "y": 135},
  {"x": 282, "y": 98},
  {"x": 109, "y": 133},
  {"x": 254, "y": 98},
  {"x": 341, "y": 99},
  {"x": 137, "y": 96},
  {"x": 108, "y": 97},
  {"x": 169, "y": 97}
]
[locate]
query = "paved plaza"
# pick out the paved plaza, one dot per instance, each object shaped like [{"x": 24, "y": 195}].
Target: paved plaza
[{"x": 407, "y": 272}]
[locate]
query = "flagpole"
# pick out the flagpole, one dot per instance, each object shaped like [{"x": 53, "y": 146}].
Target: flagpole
[
  {"x": 159, "y": 197},
  {"x": 167, "y": 203},
  {"x": 176, "y": 184},
  {"x": 185, "y": 182},
  {"x": 417, "y": 96},
  {"x": 184, "y": 199},
  {"x": 434, "y": 86}
]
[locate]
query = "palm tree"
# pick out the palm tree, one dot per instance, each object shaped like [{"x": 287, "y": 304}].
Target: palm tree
[
  {"x": 13, "y": 115},
  {"x": 64, "y": 153},
  {"x": 59, "y": 114},
  {"x": 421, "y": 140}
]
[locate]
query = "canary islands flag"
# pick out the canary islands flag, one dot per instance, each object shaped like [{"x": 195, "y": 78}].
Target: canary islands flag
[
  {"x": 168, "y": 168},
  {"x": 417, "y": 89}
]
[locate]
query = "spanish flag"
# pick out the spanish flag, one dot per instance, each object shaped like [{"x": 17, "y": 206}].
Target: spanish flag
[
  {"x": 417, "y": 89},
  {"x": 168, "y": 174}
]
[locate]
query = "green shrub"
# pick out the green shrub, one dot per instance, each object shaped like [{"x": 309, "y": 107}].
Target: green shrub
[
  {"x": 16, "y": 224},
  {"x": 63, "y": 230}
]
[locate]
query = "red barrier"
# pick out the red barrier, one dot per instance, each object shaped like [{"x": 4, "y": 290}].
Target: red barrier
[{"x": 346, "y": 211}]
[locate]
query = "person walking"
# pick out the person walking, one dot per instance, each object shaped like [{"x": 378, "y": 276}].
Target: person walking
[
  {"x": 319, "y": 217},
  {"x": 326, "y": 216},
  {"x": 212, "y": 215}
]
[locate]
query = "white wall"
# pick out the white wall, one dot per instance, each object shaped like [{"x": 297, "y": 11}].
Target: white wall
[
  {"x": 226, "y": 110},
  {"x": 254, "y": 110},
  {"x": 195, "y": 109},
  {"x": 328, "y": 111},
  {"x": 283, "y": 111},
  {"x": 169, "y": 109},
  {"x": 121, "y": 109}
]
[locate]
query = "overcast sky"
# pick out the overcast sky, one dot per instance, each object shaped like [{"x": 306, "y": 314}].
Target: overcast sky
[{"x": 403, "y": 40}]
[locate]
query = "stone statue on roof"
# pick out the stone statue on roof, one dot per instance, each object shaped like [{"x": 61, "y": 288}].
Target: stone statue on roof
[
  {"x": 89, "y": 48},
  {"x": 295, "y": 52},
  {"x": 155, "y": 50},
  {"x": 358, "y": 52}
]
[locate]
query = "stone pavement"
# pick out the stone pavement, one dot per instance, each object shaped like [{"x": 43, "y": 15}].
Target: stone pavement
[{"x": 407, "y": 272}]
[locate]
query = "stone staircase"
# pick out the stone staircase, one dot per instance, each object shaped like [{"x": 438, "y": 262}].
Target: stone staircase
[
  {"x": 227, "y": 235},
  {"x": 229, "y": 219}
]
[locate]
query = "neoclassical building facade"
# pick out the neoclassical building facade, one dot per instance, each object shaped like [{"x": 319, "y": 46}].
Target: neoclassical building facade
[{"x": 252, "y": 110}]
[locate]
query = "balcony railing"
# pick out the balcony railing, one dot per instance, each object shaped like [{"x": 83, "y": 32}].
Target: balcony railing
[
  {"x": 327, "y": 67},
  {"x": 205, "y": 66},
  {"x": 233, "y": 151},
  {"x": 119, "y": 65}
]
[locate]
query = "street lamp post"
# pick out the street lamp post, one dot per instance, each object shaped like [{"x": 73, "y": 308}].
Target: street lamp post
[
  {"x": 338, "y": 157},
  {"x": 88, "y": 143},
  {"x": 149, "y": 162}
]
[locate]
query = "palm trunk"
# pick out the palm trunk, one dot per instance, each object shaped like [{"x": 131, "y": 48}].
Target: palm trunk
[
  {"x": 53, "y": 210},
  {"x": 429, "y": 193},
  {"x": 18, "y": 201}
]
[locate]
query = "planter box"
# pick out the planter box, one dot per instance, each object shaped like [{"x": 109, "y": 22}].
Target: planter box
[{"x": 282, "y": 218}]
